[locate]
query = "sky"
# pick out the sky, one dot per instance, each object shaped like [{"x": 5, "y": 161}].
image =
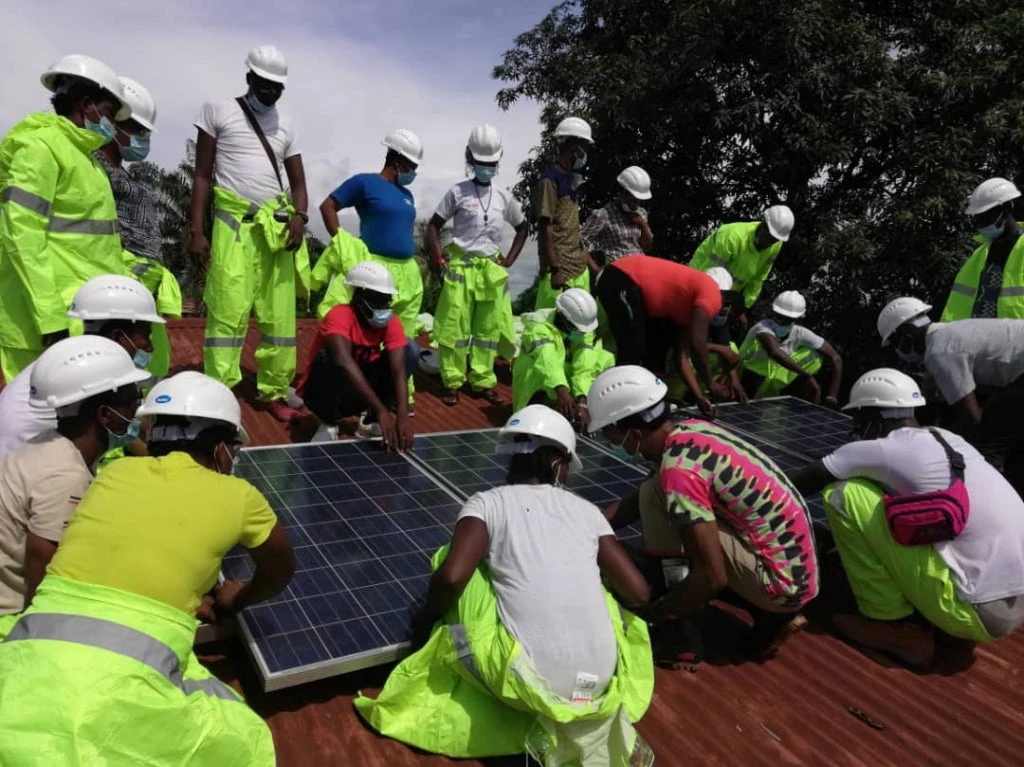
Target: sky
[{"x": 357, "y": 70}]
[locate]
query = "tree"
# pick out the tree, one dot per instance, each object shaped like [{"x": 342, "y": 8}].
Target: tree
[{"x": 872, "y": 120}]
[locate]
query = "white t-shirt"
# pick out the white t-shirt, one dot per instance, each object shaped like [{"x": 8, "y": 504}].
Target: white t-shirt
[
  {"x": 797, "y": 337},
  {"x": 987, "y": 558},
  {"x": 241, "y": 164},
  {"x": 468, "y": 203},
  {"x": 20, "y": 421},
  {"x": 543, "y": 560},
  {"x": 964, "y": 355}
]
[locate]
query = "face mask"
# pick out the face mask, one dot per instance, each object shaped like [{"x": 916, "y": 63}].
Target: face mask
[
  {"x": 379, "y": 318},
  {"x": 557, "y": 473},
  {"x": 782, "y": 331},
  {"x": 137, "y": 149},
  {"x": 993, "y": 230},
  {"x": 575, "y": 336},
  {"x": 406, "y": 177},
  {"x": 257, "y": 106},
  {"x": 484, "y": 173},
  {"x": 626, "y": 208},
  {"x": 579, "y": 162},
  {"x": 234, "y": 459},
  {"x": 131, "y": 433},
  {"x": 104, "y": 128},
  {"x": 718, "y": 320},
  {"x": 622, "y": 452},
  {"x": 911, "y": 357},
  {"x": 141, "y": 357}
]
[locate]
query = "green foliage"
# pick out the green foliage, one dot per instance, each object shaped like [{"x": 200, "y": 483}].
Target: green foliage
[
  {"x": 525, "y": 301},
  {"x": 872, "y": 120}
]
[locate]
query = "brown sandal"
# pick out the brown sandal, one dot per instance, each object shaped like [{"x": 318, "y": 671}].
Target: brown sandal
[
  {"x": 491, "y": 396},
  {"x": 450, "y": 397}
]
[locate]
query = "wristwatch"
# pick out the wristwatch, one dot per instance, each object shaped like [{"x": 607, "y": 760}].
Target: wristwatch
[{"x": 303, "y": 215}]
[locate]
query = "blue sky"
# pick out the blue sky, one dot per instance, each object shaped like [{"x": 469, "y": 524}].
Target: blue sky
[{"x": 358, "y": 69}]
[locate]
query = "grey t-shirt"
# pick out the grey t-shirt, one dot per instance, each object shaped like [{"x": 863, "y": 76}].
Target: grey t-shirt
[{"x": 964, "y": 355}]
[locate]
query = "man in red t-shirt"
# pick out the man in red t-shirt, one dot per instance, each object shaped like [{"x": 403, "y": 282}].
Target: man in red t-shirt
[
  {"x": 653, "y": 306},
  {"x": 361, "y": 361}
]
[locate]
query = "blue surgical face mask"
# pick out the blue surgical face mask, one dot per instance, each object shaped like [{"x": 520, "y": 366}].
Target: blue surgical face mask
[
  {"x": 137, "y": 149},
  {"x": 575, "y": 336},
  {"x": 257, "y": 106},
  {"x": 579, "y": 162},
  {"x": 718, "y": 320},
  {"x": 104, "y": 128},
  {"x": 130, "y": 434},
  {"x": 141, "y": 357},
  {"x": 781, "y": 330},
  {"x": 379, "y": 318},
  {"x": 993, "y": 230},
  {"x": 406, "y": 177},
  {"x": 484, "y": 173}
]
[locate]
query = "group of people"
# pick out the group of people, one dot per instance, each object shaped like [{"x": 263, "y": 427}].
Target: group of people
[{"x": 524, "y": 642}]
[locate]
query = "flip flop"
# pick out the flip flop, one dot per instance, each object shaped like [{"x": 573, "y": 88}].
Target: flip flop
[
  {"x": 491, "y": 396},
  {"x": 450, "y": 397}
]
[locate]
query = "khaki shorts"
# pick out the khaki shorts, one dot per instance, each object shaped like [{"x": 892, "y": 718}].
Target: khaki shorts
[{"x": 661, "y": 539}]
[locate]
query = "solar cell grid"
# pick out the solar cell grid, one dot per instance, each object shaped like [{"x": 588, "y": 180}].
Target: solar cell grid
[{"x": 794, "y": 424}]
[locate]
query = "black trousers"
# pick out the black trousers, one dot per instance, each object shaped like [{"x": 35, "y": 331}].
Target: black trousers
[
  {"x": 639, "y": 339},
  {"x": 331, "y": 395}
]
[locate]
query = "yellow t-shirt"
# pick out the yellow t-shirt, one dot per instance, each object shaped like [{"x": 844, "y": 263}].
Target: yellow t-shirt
[{"x": 159, "y": 527}]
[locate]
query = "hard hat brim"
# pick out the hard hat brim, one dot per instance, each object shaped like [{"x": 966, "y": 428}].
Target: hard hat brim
[
  {"x": 590, "y": 327},
  {"x": 259, "y": 72},
  {"x": 487, "y": 157},
  {"x": 155, "y": 319},
  {"x": 776, "y": 233},
  {"x": 788, "y": 314},
  {"x": 977, "y": 210}
]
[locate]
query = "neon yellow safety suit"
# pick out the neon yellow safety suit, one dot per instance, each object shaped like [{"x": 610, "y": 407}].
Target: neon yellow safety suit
[
  {"x": 544, "y": 365},
  {"x": 58, "y": 229},
  {"x": 472, "y": 692},
  {"x": 890, "y": 580},
  {"x": 754, "y": 357},
  {"x": 161, "y": 282},
  {"x": 1010, "y": 304},
  {"x": 473, "y": 318},
  {"x": 674, "y": 383},
  {"x": 91, "y": 675},
  {"x": 250, "y": 271},
  {"x": 732, "y": 246}
]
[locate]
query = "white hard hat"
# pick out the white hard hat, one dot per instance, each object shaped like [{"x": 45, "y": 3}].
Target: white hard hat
[
  {"x": 543, "y": 426},
  {"x": 885, "y": 388},
  {"x": 579, "y": 307},
  {"x": 990, "y": 193},
  {"x": 622, "y": 391},
  {"x": 141, "y": 102},
  {"x": 196, "y": 397},
  {"x": 268, "y": 62},
  {"x": 779, "y": 219},
  {"x": 721, "y": 277},
  {"x": 898, "y": 311},
  {"x": 113, "y": 297},
  {"x": 371, "y": 276},
  {"x": 406, "y": 143},
  {"x": 89, "y": 69},
  {"x": 574, "y": 127},
  {"x": 485, "y": 143},
  {"x": 635, "y": 180},
  {"x": 790, "y": 303},
  {"x": 77, "y": 368}
]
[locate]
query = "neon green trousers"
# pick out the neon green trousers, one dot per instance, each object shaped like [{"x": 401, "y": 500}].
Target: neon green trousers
[
  {"x": 162, "y": 283},
  {"x": 474, "y": 314},
  {"x": 889, "y": 580},
  {"x": 776, "y": 378},
  {"x": 97, "y": 676},
  {"x": 250, "y": 272},
  {"x": 546, "y": 294}
]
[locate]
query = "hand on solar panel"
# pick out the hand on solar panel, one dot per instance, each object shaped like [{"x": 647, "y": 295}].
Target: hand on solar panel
[
  {"x": 706, "y": 407},
  {"x": 227, "y": 598},
  {"x": 206, "y": 613},
  {"x": 396, "y": 431},
  {"x": 567, "y": 405}
]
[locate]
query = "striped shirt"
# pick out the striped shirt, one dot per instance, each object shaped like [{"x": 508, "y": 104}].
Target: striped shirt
[{"x": 709, "y": 474}]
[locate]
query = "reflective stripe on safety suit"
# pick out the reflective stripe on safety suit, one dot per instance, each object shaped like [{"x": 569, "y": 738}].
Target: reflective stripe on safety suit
[
  {"x": 94, "y": 675},
  {"x": 250, "y": 271},
  {"x": 732, "y": 246},
  {"x": 755, "y": 358},
  {"x": 963, "y": 296},
  {"x": 58, "y": 229},
  {"x": 472, "y": 692},
  {"x": 473, "y": 318},
  {"x": 546, "y": 294},
  {"x": 890, "y": 580},
  {"x": 161, "y": 282},
  {"x": 543, "y": 365}
]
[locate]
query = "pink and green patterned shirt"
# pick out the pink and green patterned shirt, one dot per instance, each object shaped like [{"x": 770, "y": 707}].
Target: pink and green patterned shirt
[{"x": 709, "y": 474}]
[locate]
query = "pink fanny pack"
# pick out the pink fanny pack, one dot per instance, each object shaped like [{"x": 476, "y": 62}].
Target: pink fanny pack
[{"x": 925, "y": 518}]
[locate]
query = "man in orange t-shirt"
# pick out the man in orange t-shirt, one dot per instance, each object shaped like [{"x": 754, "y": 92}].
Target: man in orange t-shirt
[{"x": 655, "y": 306}]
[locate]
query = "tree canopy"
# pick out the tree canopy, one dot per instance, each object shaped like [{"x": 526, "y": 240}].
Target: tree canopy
[{"x": 871, "y": 120}]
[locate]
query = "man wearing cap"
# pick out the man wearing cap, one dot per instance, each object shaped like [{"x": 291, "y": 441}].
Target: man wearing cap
[
  {"x": 620, "y": 227},
  {"x": 748, "y": 249},
  {"x": 564, "y": 262},
  {"x": 58, "y": 221},
  {"x": 257, "y": 258},
  {"x": 991, "y": 283}
]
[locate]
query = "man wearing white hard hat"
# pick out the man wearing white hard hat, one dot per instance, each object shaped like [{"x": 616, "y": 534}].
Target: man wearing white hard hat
[
  {"x": 964, "y": 575},
  {"x": 138, "y": 213},
  {"x": 256, "y": 258},
  {"x": 564, "y": 262},
  {"x": 114, "y": 307},
  {"x": 360, "y": 362},
  {"x": 969, "y": 360},
  {"x": 90, "y": 384},
  {"x": 620, "y": 227},
  {"x": 991, "y": 283},
  {"x": 112, "y": 624},
  {"x": 559, "y": 357},
  {"x": 723, "y": 502},
  {"x": 387, "y": 216},
  {"x": 748, "y": 249},
  {"x": 58, "y": 220},
  {"x": 474, "y": 311},
  {"x": 779, "y": 356},
  {"x": 517, "y": 598}
]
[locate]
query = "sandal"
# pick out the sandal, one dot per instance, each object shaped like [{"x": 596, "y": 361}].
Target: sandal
[
  {"x": 450, "y": 397},
  {"x": 491, "y": 396}
]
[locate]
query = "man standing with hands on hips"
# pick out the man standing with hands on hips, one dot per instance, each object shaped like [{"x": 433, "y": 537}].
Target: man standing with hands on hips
[{"x": 258, "y": 224}]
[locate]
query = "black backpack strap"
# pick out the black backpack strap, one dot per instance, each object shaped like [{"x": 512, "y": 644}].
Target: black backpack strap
[
  {"x": 956, "y": 460},
  {"x": 262, "y": 137}
]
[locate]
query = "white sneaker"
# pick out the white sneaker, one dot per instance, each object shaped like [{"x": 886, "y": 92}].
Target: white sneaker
[
  {"x": 293, "y": 399},
  {"x": 368, "y": 430},
  {"x": 325, "y": 433}
]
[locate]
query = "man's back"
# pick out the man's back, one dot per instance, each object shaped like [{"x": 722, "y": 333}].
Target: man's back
[
  {"x": 970, "y": 353},
  {"x": 669, "y": 289}
]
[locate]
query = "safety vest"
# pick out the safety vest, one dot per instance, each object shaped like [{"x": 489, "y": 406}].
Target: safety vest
[
  {"x": 755, "y": 358},
  {"x": 964, "y": 294},
  {"x": 732, "y": 246},
  {"x": 58, "y": 225}
]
